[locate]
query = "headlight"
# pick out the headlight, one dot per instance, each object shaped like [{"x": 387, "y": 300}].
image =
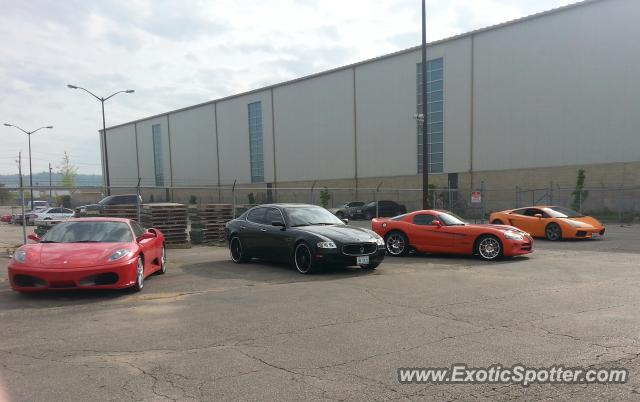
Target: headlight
[
  {"x": 326, "y": 244},
  {"x": 379, "y": 240},
  {"x": 513, "y": 236},
  {"x": 119, "y": 254},
  {"x": 20, "y": 256}
]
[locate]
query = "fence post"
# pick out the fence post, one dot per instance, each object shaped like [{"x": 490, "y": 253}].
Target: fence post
[
  {"x": 139, "y": 199},
  {"x": 233, "y": 198},
  {"x": 376, "y": 200},
  {"x": 517, "y": 197},
  {"x": 579, "y": 201},
  {"x": 482, "y": 201},
  {"x": 311, "y": 192},
  {"x": 551, "y": 193},
  {"x": 24, "y": 218},
  {"x": 620, "y": 200}
]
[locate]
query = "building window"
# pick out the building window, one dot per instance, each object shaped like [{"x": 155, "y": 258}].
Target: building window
[
  {"x": 255, "y": 142},
  {"x": 157, "y": 155},
  {"x": 435, "y": 118}
]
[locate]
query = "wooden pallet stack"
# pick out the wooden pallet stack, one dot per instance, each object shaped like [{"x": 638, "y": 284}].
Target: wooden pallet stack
[
  {"x": 128, "y": 211},
  {"x": 170, "y": 218},
  {"x": 208, "y": 222}
]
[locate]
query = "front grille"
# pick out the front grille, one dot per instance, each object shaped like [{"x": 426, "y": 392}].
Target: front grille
[
  {"x": 359, "y": 249},
  {"x": 581, "y": 233},
  {"x": 28, "y": 281}
]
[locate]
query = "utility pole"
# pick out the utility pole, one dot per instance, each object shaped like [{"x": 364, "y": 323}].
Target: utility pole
[
  {"x": 425, "y": 119},
  {"x": 24, "y": 218},
  {"x": 50, "y": 197}
]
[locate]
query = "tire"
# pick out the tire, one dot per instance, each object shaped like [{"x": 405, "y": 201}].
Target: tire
[
  {"x": 370, "y": 266},
  {"x": 553, "y": 232},
  {"x": 47, "y": 219},
  {"x": 139, "y": 276},
  {"x": 340, "y": 215},
  {"x": 489, "y": 247},
  {"x": 163, "y": 261},
  {"x": 368, "y": 215},
  {"x": 303, "y": 260},
  {"x": 497, "y": 222},
  {"x": 396, "y": 243},
  {"x": 238, "y": 254}
]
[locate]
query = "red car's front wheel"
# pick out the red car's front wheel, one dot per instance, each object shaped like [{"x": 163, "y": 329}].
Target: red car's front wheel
[{"x": 139, "y": 276}]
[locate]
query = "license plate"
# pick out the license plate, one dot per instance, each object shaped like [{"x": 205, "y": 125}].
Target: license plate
[
  {"x": 362, "y": 260},
  {"x": 595, "y": 235},
  {"x": 358, "y": 210}
]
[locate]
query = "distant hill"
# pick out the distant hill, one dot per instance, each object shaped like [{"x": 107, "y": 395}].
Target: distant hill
[{"x": 42, "y": 179}]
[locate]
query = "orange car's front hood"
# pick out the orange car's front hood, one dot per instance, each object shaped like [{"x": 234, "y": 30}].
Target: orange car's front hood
[{"x": 585, "y": 220}]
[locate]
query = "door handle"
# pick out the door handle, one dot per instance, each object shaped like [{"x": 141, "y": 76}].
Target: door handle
[
  {"x": 263, "y": 230},
  {"x": 243, "y": 227}
]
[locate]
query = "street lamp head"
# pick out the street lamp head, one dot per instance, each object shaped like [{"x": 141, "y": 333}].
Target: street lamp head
[
  {"x": 72, "y": 86},
  {"x": 8, "y": 125},
  {"x": 130, "y": 91},
  {"x": 49, "y": 127}
]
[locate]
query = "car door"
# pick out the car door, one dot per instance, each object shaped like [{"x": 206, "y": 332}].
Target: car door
[
  {"x": 149, "y": 247},
  {"x": 520, "y": 219},
  {"x": 424, "y": 234},
  {"x": 274, "y": 238},
  {"x": 50, "y": 214},
  {"x": 252, "y": 232}
]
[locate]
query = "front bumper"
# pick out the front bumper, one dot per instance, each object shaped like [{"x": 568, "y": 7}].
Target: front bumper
[
  {"x": 113, "y": 276},
  {"x": 336, "y": 257},
  {"x": 518, "y": 247},
  {"x": 588, "y": 233}
]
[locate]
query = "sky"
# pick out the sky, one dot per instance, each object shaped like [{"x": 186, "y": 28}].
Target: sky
[{"x": 179, "y": 53}]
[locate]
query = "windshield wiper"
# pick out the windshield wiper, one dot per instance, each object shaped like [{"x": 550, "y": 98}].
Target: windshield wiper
[
  {"x": 87, "y": 241},
  {"x": 48, "y": 241}
]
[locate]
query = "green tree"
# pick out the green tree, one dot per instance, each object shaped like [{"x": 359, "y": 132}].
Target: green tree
[
  {"x": 579, "y": 194},
  {"x": 325, "y": 196},
  {"x": 251, "y": 198},
  {"x": 5, "y": 195},
  {"x": 69, "y": 172}
]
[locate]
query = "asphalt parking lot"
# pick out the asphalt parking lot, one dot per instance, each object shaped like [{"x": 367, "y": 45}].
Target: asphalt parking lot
[{"x": 213, "y": 330}]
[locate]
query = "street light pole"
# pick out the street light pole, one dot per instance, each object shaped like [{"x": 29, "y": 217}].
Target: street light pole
[
  {"x": 28, "y": 133},
  {"x": 104, "y": 129},
  {"x": 425, "y": 120}
]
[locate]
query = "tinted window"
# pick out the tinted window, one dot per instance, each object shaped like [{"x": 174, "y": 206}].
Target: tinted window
[
  {"x": 423, "y": 219},
  {"x": 273, "y": 215},
  {"x": 138, "y": 230},
  {"x": 256, "y": 215},
  {"x": 532, "y": 212},
  {"x": 306, "y": 216},
  {"x": 67, "y": 211},
  {"x": 560, "y": 212},
  {"x": 356, "y": 204},
  {"x": 89, "y": 232}
]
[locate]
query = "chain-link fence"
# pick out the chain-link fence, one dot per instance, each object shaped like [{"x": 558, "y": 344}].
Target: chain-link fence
[{"x": 616, "y": 204}]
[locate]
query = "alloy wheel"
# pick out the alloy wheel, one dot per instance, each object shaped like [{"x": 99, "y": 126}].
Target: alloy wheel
[
  {"x": 396, "y": 244},
  {"x": 553, "y": 232},
  {"x": 302, "y": 258},
  {"x": 489, "y": 248}
]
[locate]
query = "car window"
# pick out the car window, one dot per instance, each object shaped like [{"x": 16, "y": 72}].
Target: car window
[
  {"x": 519, "y": 211},
  {"x": 54, "y": 211},
  {"x": 423, "y": 219},
  {"x": 67, "y": 211},
  {"x": 138, "y": 230},
  {"x": 356, "y": 204},
  {"x": 256, "y": 215},
  {"x": 532, "y": 212},
  {"x": 273, "y": 215}
]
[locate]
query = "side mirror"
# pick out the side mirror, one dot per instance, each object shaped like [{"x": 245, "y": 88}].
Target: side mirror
[
  {"x": 437, "y": 223},
  {"x": 539, "y": 216},
  {"x": 146, "y": 236},
  {"x": 278, "y": 224},
  {"x": 346, "y": 221},
  {"x": 33, "y": 237}
]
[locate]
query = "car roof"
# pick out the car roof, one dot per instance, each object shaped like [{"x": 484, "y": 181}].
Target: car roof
[
  {"x": 287, "y": 205},
  {"x": 99, "y": 219}
]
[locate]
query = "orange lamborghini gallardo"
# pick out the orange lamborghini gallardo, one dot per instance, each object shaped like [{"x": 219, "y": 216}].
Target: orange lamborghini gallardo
[{"x": 553, "y": 223}]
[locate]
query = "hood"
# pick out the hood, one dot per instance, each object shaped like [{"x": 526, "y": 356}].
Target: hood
[
  {"x": 341, "y": 233},
  {"x": 584, "y": 221},
  {"x": 71, "y": 255},
  {"x": 502, "y": 228}
]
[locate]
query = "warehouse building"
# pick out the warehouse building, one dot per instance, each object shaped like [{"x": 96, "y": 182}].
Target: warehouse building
[{"x": 519, "y": 103}]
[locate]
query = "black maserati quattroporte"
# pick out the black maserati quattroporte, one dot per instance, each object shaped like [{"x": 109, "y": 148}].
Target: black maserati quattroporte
[{"x": 307, "y": 236}]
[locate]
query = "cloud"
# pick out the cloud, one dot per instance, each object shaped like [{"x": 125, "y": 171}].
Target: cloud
[{"x": 175, "y": 54}]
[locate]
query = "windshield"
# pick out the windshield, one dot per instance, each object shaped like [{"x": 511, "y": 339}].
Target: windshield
[
  {"x": 451, "y": 219},
  {"x": 105, "y": 200},
  {"x": 560, "y": 212},
  {"x": 89, "y": 232},
  {"x": 306, "y": 216},
  {"x": 357, "y": 204}
]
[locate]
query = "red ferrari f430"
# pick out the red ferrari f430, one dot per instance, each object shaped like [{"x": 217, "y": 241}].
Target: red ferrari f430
[
  {"x": 437, "y": 231},
  {"x": 89, "y": 253}
]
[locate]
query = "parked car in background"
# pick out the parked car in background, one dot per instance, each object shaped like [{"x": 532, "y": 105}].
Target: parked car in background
[
  {"x": 89, "y": 253},
  {"x": 439, "y": 231},
  {"x": 6, "y": 218},
  {"x": 96, "y": 209},
  {"x": 49, "y": 214},
  {"x": 18, "y": 218},
  {"x": 307, "y": 236},
  {"x": 36, "y": 204},
  {"x": 350, "y": 210},
  {"x": 384, "y": 209},
  {"x": 551, "y": 222}
]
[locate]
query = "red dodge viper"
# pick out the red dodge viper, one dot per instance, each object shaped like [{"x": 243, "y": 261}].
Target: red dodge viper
[
  {"x": 436, "y": 231},
  {"x": 89, "y": 253}
]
